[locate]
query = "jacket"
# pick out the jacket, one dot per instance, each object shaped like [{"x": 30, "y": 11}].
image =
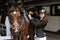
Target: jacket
[{"x": 39, "y": 25}]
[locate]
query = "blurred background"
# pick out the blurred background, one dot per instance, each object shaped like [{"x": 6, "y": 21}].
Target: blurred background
[{"x": 52, "y": 8}]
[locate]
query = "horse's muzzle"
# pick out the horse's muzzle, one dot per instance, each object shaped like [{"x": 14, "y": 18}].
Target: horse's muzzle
[{"x": 16, "y": 31}]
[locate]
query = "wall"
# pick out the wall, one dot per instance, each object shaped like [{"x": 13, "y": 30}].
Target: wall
[
  {"x": 53, "y": 23},
  {"x": 47, "y": 8}
]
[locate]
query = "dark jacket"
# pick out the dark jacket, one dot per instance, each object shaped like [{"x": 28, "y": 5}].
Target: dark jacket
[{"x": 40, "y": 25}]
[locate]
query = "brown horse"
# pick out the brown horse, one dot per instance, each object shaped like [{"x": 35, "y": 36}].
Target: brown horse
[{"x": 19, "y": 26}]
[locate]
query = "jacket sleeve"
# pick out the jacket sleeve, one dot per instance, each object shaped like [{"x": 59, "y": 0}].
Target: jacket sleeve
[
  {"x": 40, "y": 23},
  {"x": 33, "y": 22}
]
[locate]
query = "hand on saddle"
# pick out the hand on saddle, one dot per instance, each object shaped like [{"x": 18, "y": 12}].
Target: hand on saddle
[{"x": 29, "y": 16}]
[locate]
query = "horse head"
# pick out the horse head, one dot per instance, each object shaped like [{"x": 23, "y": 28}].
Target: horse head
[{"x": 15, "y": 19}]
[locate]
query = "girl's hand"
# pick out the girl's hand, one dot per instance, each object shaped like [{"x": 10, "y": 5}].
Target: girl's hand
[
  {"x": 29, "y": 16},
  {"x": 42, "y": 16},
  {"x": 30, "y": 12}
]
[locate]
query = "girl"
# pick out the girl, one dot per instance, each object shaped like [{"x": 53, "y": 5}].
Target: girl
[{"x": 39, "y": 24}]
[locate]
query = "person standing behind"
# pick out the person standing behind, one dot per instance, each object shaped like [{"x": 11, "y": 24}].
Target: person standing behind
[
  {"x": 22, "y": 9},
  {"x": 39, "y": 23},
  {"x": 20, "y": 6}
]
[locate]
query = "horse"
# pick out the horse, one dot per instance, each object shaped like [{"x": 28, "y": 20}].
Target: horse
[{"x": 18, "y": 25}]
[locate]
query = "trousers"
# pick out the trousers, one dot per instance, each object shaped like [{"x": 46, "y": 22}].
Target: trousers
[{"x": 43, "y": 38}]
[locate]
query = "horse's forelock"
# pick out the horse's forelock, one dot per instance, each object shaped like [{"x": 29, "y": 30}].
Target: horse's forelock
[{"x": 14, "y": 11}]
